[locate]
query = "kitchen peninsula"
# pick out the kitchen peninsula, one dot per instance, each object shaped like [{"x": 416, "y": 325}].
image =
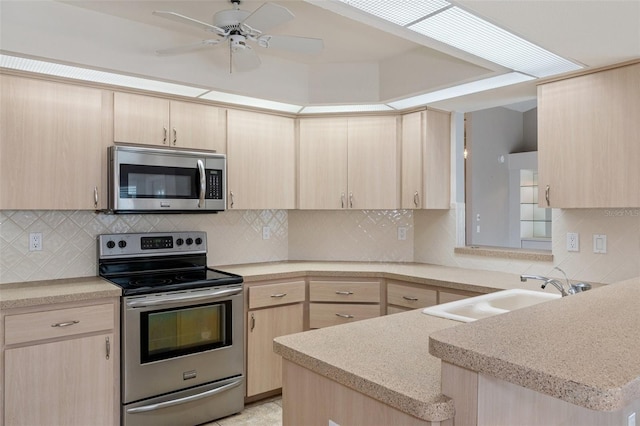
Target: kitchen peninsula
[{"x": 574, "y": 359}]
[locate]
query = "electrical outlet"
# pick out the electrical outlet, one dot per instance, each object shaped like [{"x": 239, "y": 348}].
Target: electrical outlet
[
  {"x": 402, "y": 233},
  {"x": 35, "y": 241},
  {"x": 266, "y": 232},
  {"x": 573, "y": 241},
  {"x": 600, "y": 244}
]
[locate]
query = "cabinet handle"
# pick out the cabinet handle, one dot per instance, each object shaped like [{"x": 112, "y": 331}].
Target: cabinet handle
[
  {"x": 351, "y": 200},
  {"x": 547, "y": 191},
  {"x": 65, "y": 324},
  {"x": 164, "y": 139},
  {"x": 416, "y": 199},
  {"x": 231, "y": 196},
  {"x": 344, "y": 293},
  {"x": 279, "y": 295},
  {"x": 253, "y": 322},
  {"x": 95, "y": 197},
  {"x": 108, "y": 343},
  {"x": 175, "y": 136},
  {"x": 411, "y": 298},
  {"x": 342, "y": 200},
  {"x": 345, "y": 316}
]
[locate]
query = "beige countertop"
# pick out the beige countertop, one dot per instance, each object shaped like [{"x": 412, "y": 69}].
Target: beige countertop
[
  {"x": 385, "y": 358},
  {"x": 583, "y": 349},
  {"x": 33, "y": 293}
]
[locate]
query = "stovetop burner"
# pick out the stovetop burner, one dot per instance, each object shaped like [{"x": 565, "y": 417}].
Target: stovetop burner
[{"x": 153, "y": 263}]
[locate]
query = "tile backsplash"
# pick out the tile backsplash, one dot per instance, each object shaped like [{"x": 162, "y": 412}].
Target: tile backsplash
[{"x": 235, "y": 237}]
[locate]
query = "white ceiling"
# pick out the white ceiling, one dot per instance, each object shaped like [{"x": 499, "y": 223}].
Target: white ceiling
[{"x": 364, "y": 60}]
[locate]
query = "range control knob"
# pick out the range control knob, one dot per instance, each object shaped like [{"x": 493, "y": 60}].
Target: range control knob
[
  {"x": 122, "y": 243},
  {"x": 110, "y": 244},
  {"x": 179, "y": 241},
  {"x": 198, "y": 241},
  {"x": 189, "y": 241}
]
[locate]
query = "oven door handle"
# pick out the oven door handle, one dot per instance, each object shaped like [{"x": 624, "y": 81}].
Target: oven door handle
[
  {"x": 186, "y": 399},
  {"x": 170, "y": 300}
]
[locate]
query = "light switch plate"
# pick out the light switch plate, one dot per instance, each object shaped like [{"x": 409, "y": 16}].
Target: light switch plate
[{"x": 599, "y": 243}]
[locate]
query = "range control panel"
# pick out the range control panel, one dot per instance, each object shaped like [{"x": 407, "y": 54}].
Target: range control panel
[{"x": 149, "y": 244}]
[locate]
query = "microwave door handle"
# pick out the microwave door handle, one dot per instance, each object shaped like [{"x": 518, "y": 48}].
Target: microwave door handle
[
  {"x": 191, "y": 298},
  {"x": 160, "y": 405},
  {"x": 203, "y": 183}
]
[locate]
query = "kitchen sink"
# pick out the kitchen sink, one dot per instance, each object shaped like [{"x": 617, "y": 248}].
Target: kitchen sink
[{"x": 487, "y": 305}]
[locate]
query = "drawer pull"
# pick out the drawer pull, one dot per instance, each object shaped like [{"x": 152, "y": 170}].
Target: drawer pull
[
  {"x": 64, "y": 324},
  {"x": 345, "y": 316},
  {"x": 345, "y": 293},
  {"x": 279, "y": 295},
  {"x": 411, "y": 298}
]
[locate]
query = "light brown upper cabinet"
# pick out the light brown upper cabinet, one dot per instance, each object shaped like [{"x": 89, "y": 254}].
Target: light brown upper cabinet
[
  {"x": 426, "y": 160},
  {"x": 157, "y": 121},
  {"x": 588, "y": 147},
  {"x": 53, "y": 145},
  {"x": 349, "y": 163},
  {"x": 260, "y": 161}
]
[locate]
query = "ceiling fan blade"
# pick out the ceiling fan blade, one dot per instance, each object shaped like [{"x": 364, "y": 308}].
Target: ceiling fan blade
[
  {"x": 245, "y": 59},
  {"x": 189, "y": 21},
  {"x": 265, "y": 17},
  {"x": 188, "y": 47},
  {"x": 291, "y": 43}
]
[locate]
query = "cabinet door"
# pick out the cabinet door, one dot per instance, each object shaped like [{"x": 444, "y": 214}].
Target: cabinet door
[
  {"x": 264, "y": 367},
  {"x": 588, "y": 127},
  {"x": 260, "y": 161},
  {"x": 374, "y": 180},
  {"x": 323, "y": 163},
  {"x": 413, "y": 134},
  {"x": 62, "y": 383},
  {"x": 51, "y": 145},
  {"x": 140, "y": 119},
  {"x": 437, "y": 161},
  {"x": 198, "y": 126}
]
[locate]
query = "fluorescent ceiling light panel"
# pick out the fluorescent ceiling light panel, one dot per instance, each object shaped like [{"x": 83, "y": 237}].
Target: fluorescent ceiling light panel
[
  {"x": 249, "y": 101},
  {"x": 327, "y": 109},
  {"x": 465, "y": 31},
  {"x": 84, "y": 74},
  {"x": 400, "y": 12},
  {"x": 461, "y": 90}
]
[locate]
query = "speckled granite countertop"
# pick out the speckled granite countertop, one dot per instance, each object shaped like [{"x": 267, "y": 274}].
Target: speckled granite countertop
[
  {"x": 474, "y": 280},
  {"x": 19, "y": 295},
  {"x": 385, "y": 358},
  {"x": 583, "y": 349}
]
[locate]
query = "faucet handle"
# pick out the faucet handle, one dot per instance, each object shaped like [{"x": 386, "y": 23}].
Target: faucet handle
[{"x": 579, "y": 287}]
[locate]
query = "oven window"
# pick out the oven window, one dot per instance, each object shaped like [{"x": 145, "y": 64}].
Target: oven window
[
  {"x": 175, "y": 332},
  {"x": 137, "y": 181}
]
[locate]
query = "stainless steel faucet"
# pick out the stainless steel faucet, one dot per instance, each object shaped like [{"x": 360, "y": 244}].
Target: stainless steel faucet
[{"x": 572, "y": 288}]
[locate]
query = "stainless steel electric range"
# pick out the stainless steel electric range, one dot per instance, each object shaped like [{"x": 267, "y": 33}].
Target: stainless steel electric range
[{"x": 181, "y": 329}]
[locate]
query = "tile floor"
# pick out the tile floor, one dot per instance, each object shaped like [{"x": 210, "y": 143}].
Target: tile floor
[{"x": 262, "y": 413}]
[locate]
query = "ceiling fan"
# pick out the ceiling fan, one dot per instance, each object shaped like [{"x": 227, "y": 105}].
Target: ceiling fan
[{"x": 239, "y": 26}]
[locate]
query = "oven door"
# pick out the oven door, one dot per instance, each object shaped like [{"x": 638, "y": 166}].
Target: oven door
[
  {"x": 144, "y": 179},
  {"x": 180, "y": 339}
]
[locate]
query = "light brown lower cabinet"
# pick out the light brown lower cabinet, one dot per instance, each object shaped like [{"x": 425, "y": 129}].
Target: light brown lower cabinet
[
  {"x": 342, "y": 300},
  {"x": 311, "y": 399},
  {"x": 61, "y": 366}
]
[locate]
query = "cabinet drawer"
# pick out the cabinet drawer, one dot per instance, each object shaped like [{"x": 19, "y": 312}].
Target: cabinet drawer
[
  {"x": 344, "y": 291},
  {"x": 410, "y": 297},
  {"x": 276, "y": 294},
  {"x": 22, "y": 328},
  {"x": 327, "y": 314},
  {"x": 445, "y": 297}
]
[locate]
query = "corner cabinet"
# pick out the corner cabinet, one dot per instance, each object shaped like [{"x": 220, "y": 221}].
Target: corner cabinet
[
  {"x": 61, "y": 365},
  {"x": 274, "y": 309},
  {"x": 588, "y": 148},
  {"x": 261, "y": 161},
  {"x": 53, "y": 145},
  {"x": 426, "y": 160},
  {"x": 349, "y": 163},
  {"x": 157, "y": 121}
]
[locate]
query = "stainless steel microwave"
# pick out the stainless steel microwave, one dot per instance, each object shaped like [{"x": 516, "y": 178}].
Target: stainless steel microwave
[{"x": 156, "y": 180}]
